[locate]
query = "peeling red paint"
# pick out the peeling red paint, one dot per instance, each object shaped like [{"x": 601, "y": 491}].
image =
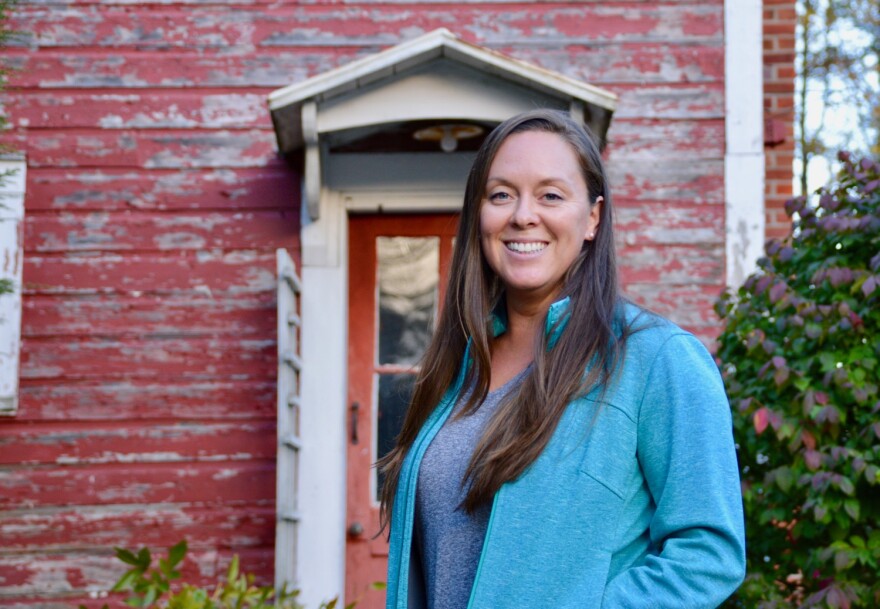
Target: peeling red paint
[
  {"x": 159, "y": 525},
  {"x": 164, "y": 27},
  {"x": 192, "y": 315},
  {"x": 114, "y": 189},
  {"x": 151, "y": 149},
  {"x": 138, "y": 483},
  {"x": 139, "y": 232},
  {"x": 146, "y": 399},
  {"x": 192, "y": 358},
  {"x": 205, "y": 272}
]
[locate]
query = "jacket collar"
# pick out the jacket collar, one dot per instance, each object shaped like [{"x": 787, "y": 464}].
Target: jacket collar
[{"x": 554, "y": 324}]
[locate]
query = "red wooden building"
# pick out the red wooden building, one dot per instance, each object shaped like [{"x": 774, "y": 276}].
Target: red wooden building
[{"x": 170, "y": 374}]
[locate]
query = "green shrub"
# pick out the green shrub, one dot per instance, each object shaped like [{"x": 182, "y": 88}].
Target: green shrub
[
  {"x": 150, "y": 585},
  {"x": 799, "y": 355}
]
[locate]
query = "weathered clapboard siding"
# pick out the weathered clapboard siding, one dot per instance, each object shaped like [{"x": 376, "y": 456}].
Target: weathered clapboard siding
[
  {"x": 144, "y": 231},
  {"x": 150, "y": 316},
  {"x": 179, "y": 441},
  {"x": 153, "y": 149},
  {"x": 173, "y": 358},
  {"x": 200, "y": 272},
  {"x": 698, "y": 181},
  {"x": 125, "y": 109},
  {"x": 67, "y": 528},
  {"x": 155, "y": 201},
  {"x": 133, "y": 110},
  {"x": 648, "y": 63},
  {"x": 273, "y": 186},
  {"x": 140, "y": 482},
  {"x": 205, "y": 27},
  {"x": 144, "y": 399},
  {"x": 68, "y": 575}
]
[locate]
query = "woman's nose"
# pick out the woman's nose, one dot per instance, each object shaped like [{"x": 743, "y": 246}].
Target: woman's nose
[{"x": 525, "y": 212}]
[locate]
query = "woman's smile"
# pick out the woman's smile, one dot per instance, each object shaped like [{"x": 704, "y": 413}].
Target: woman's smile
[{"x": 526, "y": 247}]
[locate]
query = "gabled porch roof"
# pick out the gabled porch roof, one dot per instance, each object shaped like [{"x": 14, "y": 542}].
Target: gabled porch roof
[{"x": 591, "y": 104}]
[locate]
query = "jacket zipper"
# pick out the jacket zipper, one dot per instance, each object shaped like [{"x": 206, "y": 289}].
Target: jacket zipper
[{"x": 483, "y": 550}]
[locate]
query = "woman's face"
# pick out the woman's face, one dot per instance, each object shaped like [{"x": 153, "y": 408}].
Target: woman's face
[{"x": 535, "y": 215}]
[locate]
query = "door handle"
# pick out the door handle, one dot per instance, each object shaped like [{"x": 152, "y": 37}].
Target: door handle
[{"x": 355, "y": 408}]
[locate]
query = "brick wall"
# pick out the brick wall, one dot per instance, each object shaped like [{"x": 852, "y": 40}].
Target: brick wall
[{"x": 780, "y": 20}]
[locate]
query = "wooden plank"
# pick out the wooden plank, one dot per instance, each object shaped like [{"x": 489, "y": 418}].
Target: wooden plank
[
  {"x": 668, "y": 223},
  {"x": 208, "y": 272},
  {"x": 653, "y": 139},
  {"x": 612, "y": 64},
  {"x": 676, "y": 102},
  {"x": 673, "y": 264},
  {"x": 217, "y": 483},
  {"x": 687, "y": 304},
  {"x": 146, "y": 399},
  {"x": 161, "y": 27},
  {"x": 275, "y": 186},
  {"x": 91, "y": 443},
  {"x": 113, "y": 316},
  {"x": 95, "y": 357},
  {"x": 604, "y": 64},
  {"x": 158, "y": 109},
  {"x": 75, "y": 575},
  {"x": 97, "y": 527},
  {"x": 156, "y": 149},
  {"x": 664, "y": 178},
  {"x": 336, "y": 2},
  {"x": 140, "y": 110},
  {"x": 151, "y": 231},
  {"x": 255, "y": 148},
  {"x": 185, "y": 68}
]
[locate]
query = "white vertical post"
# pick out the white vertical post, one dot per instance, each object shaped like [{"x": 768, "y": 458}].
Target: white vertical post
[
  {"x": 744, "y": 156},
  {"x": 324, "y": 389}
]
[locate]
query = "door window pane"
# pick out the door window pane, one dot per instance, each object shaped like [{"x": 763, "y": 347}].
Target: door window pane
[
  {"x": 395, "y": 391},
  {"x": 408, "y": 286}
]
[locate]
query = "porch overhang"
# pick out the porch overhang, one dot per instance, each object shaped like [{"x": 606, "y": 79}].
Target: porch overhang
[{"x": 436, "y": 78}]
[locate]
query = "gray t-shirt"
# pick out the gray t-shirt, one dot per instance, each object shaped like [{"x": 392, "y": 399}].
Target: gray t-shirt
[{"x": 449, "y": 540}]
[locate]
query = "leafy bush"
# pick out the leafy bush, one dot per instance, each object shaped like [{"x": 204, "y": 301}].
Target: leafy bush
[
  {"x": 799, "y": 355},
  {"x": 237, "y": 590}
]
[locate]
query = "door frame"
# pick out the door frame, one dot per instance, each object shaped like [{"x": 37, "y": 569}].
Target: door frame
[{"x": 324, "y": 390}]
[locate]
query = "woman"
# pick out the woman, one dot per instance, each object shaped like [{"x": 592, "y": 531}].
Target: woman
[{"x": 563, "y": 448}]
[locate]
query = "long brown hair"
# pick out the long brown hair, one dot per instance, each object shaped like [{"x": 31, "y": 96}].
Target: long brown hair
[{"x": 525, "y": 421}]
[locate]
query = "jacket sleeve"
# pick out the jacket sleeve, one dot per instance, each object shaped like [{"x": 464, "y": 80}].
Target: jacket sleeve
[{"x": 686, "y": 453}]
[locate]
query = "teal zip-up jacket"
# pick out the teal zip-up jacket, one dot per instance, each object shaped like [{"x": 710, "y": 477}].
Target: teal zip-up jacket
[{"x": 638, "y": 506}]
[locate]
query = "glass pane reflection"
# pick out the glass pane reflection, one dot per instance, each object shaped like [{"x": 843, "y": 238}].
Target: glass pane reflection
[
  {"x": 408, "y": 284},
  {"x": 395, "y": 391}
]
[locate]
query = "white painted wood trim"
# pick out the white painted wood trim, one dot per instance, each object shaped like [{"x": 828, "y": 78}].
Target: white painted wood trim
[
  {"x": 324, "y": 385},
  {"x": 288, "y": 406},
  {"x": 12, "y": 190},
  {"x": 431, "y": 45},
  {"x": 744, "y": 156},
  {"x": 324, "y": 303}
]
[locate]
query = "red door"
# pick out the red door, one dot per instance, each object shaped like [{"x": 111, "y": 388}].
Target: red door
[{"x": 397, "y": 270}]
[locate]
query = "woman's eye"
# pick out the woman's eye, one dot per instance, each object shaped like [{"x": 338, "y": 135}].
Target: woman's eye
[
  {"x": 499, "y": 196},
  {"x": 552, "y": 196}
]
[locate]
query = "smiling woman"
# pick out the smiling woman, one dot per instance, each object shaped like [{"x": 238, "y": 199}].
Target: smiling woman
[
  {"x": 562, "y": 447},
  {"x": 536, "y": 216}
]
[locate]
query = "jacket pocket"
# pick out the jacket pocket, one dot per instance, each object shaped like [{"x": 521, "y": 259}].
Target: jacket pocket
[{"x": 610, "y": 451}]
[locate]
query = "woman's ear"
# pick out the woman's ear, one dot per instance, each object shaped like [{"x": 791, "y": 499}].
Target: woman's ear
[{"x": 595, "y": 216}]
